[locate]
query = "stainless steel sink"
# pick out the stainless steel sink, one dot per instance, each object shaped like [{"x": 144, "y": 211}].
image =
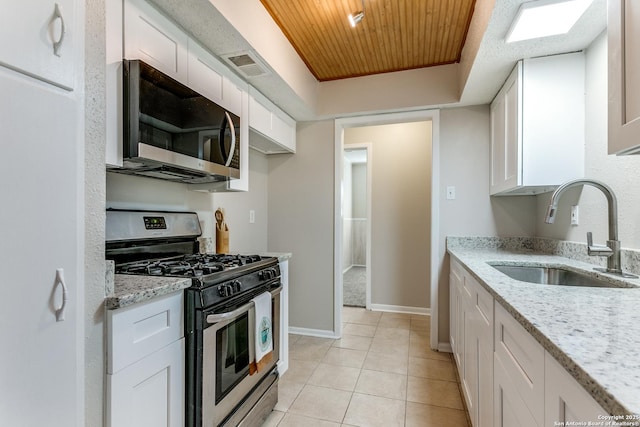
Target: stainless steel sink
[{"x": 556, "y": 276}]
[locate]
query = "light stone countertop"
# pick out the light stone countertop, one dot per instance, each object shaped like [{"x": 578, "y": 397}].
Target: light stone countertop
[
  {"x": 594, "y": 333},
  {"x": 131, "y": 289}
]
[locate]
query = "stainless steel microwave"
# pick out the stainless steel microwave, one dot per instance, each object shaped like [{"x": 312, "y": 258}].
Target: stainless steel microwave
[{"x": 171, "y": 132}]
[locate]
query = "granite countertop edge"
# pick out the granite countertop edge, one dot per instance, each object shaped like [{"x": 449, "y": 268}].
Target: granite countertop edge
[
  {"x": 565, "y": 319},
  {"x": 132, "y": 289}
]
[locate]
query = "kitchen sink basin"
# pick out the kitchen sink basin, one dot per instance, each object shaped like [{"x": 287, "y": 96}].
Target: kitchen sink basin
[{"x": 556, "y": 276}]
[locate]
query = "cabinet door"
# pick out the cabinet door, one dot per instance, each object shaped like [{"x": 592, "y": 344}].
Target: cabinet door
[
  {"x": 522, "y": 359},
  {"x": 565, "y": 399},
  {"x": 259, "y": 117},
  {"x": 150, "y": 392},
  {"x": 506, "y": 122},
  {"x": 513, "y": 125},
  {"x": 41, "y": 224},
  {"x": 483, "y": 325},
  {"x": 29, "y": 30},
  {"x": 454, "y": 308},
  {"x": 154, "y": 39},
  {"x": 624, "y": 76},
  {"x": 204, "y": 76},
  {"x": 509, "y": 408}
]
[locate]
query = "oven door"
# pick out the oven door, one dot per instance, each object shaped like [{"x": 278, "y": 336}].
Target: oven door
[{"x": 229, "y": 348}]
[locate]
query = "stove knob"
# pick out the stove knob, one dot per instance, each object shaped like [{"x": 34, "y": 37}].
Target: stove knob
[
  {"x": 225, "y": 290},
  {"x": 237, "y": 286}
]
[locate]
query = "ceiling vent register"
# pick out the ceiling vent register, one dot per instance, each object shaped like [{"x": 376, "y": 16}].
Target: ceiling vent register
[{"x": 248, "y": 64}]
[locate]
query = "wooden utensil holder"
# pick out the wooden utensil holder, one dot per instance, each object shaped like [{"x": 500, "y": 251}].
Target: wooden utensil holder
[{"x": 222, "y": 241}]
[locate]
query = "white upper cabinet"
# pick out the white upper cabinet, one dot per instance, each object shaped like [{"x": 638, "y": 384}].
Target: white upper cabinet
[
  {"x": 537, "y": 126},
  {"x": 38, "y": 38},
  {"x": 205, "y": 77},
  {"x": 154, "y": 39},
  {"x": 276, "y": 131},
  {"x": 624, "y": 76}
]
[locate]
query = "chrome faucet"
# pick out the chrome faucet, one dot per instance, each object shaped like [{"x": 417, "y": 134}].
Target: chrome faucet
[{"x": 612, "y": 249}]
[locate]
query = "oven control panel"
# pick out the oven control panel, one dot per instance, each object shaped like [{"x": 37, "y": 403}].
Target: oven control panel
[{"x": 155, "y": 223}]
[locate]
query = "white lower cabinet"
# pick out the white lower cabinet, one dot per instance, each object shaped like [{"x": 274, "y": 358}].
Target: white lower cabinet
[
  {"x": 509, "y": 408},
  {"x": 146, "y": 364},
  {"x": 150, "y": 392},
  {"x": 565, "y": 399},
  {"x": 472, "y": 318},
  {"x": 507, "y": 377}
]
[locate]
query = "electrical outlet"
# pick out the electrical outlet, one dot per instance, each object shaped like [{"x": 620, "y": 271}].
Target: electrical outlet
[{"x": 574, "y": 215}]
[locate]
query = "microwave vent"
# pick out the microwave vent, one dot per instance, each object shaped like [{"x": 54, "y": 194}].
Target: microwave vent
[{"x": 248, "y": 64}]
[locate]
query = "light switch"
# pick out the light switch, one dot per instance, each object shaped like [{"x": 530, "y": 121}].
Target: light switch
[
  {"x": 451, "y": 192},
  {"x": 574, "y": 215},
  {"x": 252, "y": 216}
]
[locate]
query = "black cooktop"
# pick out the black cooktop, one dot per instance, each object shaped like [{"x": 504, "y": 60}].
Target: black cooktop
[{"x": 195, "y": 265}]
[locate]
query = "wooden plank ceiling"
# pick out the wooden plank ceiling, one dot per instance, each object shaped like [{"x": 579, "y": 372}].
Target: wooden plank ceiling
[{"x": 394, "y": 35}]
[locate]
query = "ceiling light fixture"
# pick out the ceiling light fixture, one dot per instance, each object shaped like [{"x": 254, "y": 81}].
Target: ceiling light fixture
[
  {"x": 355, "y": 18},
  {"x": 543, "y": 18}
]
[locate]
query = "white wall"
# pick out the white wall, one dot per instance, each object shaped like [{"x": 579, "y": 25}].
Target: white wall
[
  {"x": 401, "y": 206},
  {"x": 94, "y": 273},
  {"x": 131, "y": 192},
  {"x": 464, "y": 163},
  {"x": 347, "y": 213},
  {"x": 621, "y": 173},
  {"x": 245, "y": 237},
  {"x": 301, "y": 222}
]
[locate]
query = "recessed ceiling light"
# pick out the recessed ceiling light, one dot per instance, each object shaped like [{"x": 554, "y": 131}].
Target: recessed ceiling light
[
  {"x": 543, "y": 18},
  {"x": 355, "y": 18}
]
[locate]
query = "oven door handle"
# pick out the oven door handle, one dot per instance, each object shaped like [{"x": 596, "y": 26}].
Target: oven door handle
[{"x": 220, "y": 317}]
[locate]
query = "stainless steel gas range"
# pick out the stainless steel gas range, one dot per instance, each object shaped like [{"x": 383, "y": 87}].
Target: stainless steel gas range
[{"x": 224, "y": 384}]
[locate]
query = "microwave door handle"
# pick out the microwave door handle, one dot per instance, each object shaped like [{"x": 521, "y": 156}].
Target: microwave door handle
[{"x": 233, "y": 139}]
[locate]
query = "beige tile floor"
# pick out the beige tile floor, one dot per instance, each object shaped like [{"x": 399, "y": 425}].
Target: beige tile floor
[{"x": 380, "y": 373}]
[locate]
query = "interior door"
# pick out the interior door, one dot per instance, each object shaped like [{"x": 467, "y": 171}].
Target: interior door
[{"x": 41, "y": 361}]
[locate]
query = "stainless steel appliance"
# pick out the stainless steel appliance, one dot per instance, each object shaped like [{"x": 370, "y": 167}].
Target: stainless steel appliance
[
  {"x": 219, "y": 313},
  {"x": 173, "y": 133}
]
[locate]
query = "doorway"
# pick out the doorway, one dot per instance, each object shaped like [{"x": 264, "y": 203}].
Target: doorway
[
  {"x": 356, "y": 226},
  {"x": 431, "y": 289}
]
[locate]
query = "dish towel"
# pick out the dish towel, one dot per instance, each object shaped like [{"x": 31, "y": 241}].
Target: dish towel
[{"x": 264, "y": 333}]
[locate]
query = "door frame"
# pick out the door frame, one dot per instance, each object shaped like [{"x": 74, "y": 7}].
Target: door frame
[
  {"x": 368, "y": 146},
  {"x": 375, "y": 120}
]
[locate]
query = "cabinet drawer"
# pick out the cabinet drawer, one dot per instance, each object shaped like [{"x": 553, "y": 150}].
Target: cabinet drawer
[
  {"x": 141, "y": 329},
  {"x": 523, "y": 360}
]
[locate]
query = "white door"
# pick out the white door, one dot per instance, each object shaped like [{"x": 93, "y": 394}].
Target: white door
[{"x": 41, "y": 223}]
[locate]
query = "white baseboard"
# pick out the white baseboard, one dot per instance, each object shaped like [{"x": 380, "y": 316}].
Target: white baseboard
[
  {"x": 445, "y": 347},
  {"x": 401, "y": 309},
  {"x": 320, "y": 333}
]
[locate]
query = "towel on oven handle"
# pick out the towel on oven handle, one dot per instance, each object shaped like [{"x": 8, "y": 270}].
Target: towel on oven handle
[{"x": 263, "y": 333}]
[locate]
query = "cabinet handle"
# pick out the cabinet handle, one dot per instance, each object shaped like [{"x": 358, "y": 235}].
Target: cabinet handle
[
  {"x": 60, "y": 281},
  {"x": 58, "y": 44}
]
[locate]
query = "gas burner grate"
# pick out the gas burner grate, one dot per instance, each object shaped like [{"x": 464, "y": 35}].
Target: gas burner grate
[{"x": 195, "y": 265}]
